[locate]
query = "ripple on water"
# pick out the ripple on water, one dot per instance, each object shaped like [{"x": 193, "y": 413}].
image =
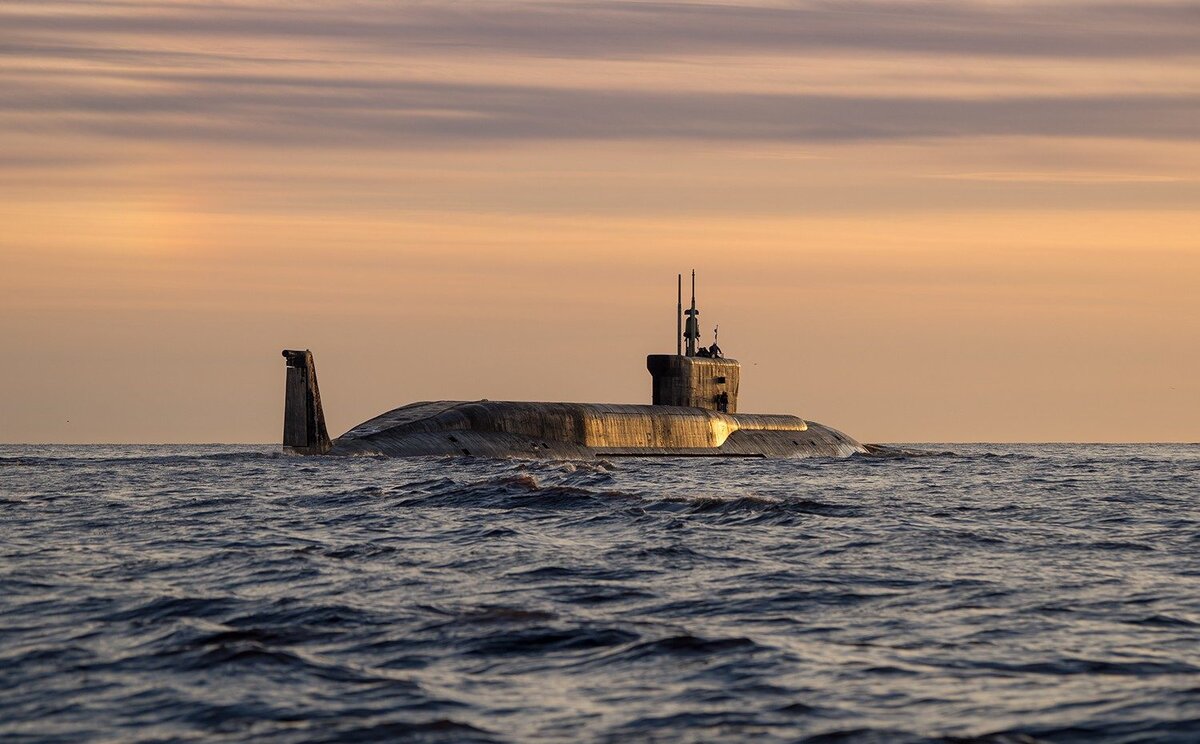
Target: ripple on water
[{"x": 992, "y": 594}]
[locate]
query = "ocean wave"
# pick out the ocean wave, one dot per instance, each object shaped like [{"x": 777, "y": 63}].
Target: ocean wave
[{"x": 974, "y": 593}]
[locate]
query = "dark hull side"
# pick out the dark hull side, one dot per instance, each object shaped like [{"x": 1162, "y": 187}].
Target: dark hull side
[{"x": 574, "y": 431}]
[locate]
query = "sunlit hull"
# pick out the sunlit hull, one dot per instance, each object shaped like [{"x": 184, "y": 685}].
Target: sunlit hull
[{"x": 586, "y": 431}]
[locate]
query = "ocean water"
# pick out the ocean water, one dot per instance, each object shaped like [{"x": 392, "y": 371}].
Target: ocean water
[{"x": 989, "y": 593}]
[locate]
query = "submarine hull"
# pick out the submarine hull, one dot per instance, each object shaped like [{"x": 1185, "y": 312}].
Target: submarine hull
[{"x": 574, "y": 431}]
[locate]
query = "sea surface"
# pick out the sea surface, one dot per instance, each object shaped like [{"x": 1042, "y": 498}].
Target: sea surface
[{"x": 990, "y": 593}]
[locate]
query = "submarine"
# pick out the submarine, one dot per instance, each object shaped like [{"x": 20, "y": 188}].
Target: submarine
[{"x": 693, "y": 413}]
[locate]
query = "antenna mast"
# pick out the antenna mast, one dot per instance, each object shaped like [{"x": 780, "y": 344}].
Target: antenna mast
[
  {"x": 679, "y": 319},
  {"x": 693, "y": 322}
]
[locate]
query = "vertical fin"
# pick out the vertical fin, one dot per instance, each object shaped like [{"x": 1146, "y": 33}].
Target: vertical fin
[{"x": 304, "y": 430}]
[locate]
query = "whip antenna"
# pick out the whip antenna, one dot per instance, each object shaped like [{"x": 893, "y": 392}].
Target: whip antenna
[{"x": 679, "y": 318}]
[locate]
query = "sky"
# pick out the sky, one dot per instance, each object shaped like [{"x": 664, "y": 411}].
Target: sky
[{"x": 913, "y": 220}]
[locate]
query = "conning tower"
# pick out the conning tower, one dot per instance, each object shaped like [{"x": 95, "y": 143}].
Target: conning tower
[{"x": 695, "y": 377}]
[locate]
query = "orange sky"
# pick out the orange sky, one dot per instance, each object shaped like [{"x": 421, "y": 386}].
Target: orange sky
[{"x": 915, "y": 221}]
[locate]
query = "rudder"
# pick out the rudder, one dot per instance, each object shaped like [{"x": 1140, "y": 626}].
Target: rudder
[{"x": 304, "y": 431}]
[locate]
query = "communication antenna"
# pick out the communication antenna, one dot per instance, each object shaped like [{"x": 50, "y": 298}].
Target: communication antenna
[
  {"x": 692, "y": 331},
  {"x": 679, "y": 319}
]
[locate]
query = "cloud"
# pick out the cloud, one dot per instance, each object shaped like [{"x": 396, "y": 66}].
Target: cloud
[
  {"x": 280, "y": 74},
  {"x": 1068, "y": 177},
  {"x": 356, "y": 112},
  {"x": 607, "y": 28}
]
